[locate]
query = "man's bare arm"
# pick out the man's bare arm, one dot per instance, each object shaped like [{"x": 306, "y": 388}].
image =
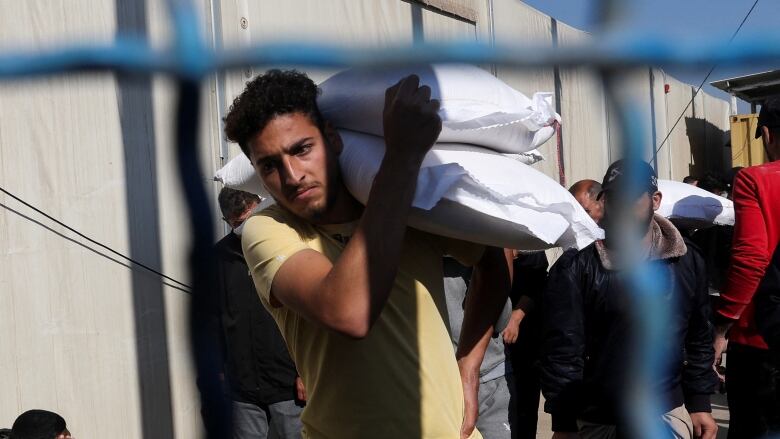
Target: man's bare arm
[
  {"x": 348, "y": 296},
  {"x": 490, "y": 286}
]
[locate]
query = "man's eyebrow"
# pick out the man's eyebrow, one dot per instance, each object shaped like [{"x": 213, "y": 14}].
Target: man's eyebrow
[{"x": 297, "y": 144}]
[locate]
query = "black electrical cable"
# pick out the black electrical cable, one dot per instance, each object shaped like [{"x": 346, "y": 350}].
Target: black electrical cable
[
  {"x": 129, "y": 259},
  {"x": 696, "y": 93}
]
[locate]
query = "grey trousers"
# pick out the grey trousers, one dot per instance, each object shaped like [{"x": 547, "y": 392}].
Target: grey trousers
[
  {"x": 493, "y": 420},
  {"x": 281, "y": 420}
]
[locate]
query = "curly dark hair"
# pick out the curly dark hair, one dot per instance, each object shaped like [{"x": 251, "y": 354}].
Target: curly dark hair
[
  {"x": 275, "y": 93},
  {"x": 233, "y": 202}
]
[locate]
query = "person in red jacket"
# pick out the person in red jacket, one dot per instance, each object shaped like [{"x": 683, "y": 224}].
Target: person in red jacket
[{"x": 750, "y": 374}]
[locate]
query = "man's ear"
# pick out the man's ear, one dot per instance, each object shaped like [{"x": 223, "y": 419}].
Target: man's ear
[
  {"x": 657, "y": 196},
  {"x": 767, "y": 135},
  {"x": 771, "y": 144},
  {"x": 333, "y": 137}
]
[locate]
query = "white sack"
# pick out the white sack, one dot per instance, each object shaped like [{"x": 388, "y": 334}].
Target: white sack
[
  {"x": 691, "y": 207},
  {"x": 466, "y": 192},
  {"x": 476, "y": 107},
  {"x": 239, "y": 174},
  {"x": 478, "y": 195}
]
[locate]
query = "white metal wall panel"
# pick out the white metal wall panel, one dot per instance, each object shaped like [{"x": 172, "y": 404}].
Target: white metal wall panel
[
  {"x": 84, "y": 148},
  {"x": 716, "y": 135},
  {"x": 584, "y": 117},
  {"x": 67, "y": 335},
  {"x": 517, "y": 23},
  {"x": 695, "y": 132},
  {"x": 351, "y": 22},
  {"x": 678, "y": 147},
  {"x": 634, "y": 87},
  {"x": 663, "y": 153}
]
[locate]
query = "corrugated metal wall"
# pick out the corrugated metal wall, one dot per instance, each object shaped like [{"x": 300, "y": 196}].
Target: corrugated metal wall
[{"x": 106, "y": 345}]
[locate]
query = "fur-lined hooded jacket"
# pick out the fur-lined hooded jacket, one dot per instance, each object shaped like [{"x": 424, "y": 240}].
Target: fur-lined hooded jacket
[{"x": 591, "y": 322}]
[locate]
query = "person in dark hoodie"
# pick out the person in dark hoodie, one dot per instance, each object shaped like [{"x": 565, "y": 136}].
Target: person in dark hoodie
[
  {"x": 260, "y": 378},
  {"x": 768, "y": 306},
  {"x": 590, "y": 324},
  {"x": 767, "y": 302},
  {"x": 40, "y": 424}
]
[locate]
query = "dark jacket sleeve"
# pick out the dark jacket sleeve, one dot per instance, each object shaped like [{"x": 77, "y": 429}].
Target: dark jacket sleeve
[
  {"x": 530, "y": 276},
  {"x": 563, "y": 354},
  {"x": 699, "y": 380},
  {"x": 767, "y": 301}
]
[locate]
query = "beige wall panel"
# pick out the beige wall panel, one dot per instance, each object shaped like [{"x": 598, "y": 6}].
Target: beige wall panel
[
  {"x": 97, "y": 153},
  {"x": 516, "y": 23},
  {"x": 662, "y": 154},
  {"x": 69, "y": 343},
  {"x": 347, "y": 22},
  {"x": 52, "y": 23},
  {"x": 717, "y": 134},
  {"x": 73, "y": 348},
  {"x": 677, "y": 147},
  {"x": 584, "y": 118},
  {"x": 634, "y": 89},
  {"x": 695, "y": 133}
]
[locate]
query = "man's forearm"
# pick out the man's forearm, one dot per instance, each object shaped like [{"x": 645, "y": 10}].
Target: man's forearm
[
  {"x": 490, "y": 285},
  {"x": 362, "y": 278}
]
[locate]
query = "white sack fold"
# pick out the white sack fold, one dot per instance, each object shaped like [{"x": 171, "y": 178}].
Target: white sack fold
[{"x": 476, "y": 107}]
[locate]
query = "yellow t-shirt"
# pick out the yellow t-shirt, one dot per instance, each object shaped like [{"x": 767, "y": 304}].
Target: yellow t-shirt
[{"x": 400, "y": 381}]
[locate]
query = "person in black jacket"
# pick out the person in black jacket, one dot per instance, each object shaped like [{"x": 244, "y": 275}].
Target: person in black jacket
[
  {"x": 261, "y": 379},
  {"x": 767, "y": 301},
  {"x": 521, "y": 336},
  {"x": 768, "y": 304},
  {"x": 590, "y": 323}
]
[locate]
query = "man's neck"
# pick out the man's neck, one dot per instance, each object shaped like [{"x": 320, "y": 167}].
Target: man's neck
[
  {"x": 345, "y": 209},
  {"x": 772, "y": 152},
  {"x": 645, "y": 244}
]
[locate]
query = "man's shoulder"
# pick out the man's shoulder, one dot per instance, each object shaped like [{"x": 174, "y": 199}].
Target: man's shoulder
[
  {"x": 273, "y": 221},
  {"x": 767, "y": 171},
  {"x": 271, "y": 213},
  {"x": 573, "y": 257}
]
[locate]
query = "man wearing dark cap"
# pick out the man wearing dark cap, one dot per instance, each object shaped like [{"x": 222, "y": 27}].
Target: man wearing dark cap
[
  {"x": 751, "y": 375},
  {"x": 589, "y": 344},
  {"x": 39, "y": 424}
]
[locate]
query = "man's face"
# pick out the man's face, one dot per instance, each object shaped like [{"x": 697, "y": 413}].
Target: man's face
[
  {"x": 235, "y": 221},
  {"x": 642, "y": 210},
  {"x": 593, "y": 207},
  {"x": 297, "y": 164}
]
